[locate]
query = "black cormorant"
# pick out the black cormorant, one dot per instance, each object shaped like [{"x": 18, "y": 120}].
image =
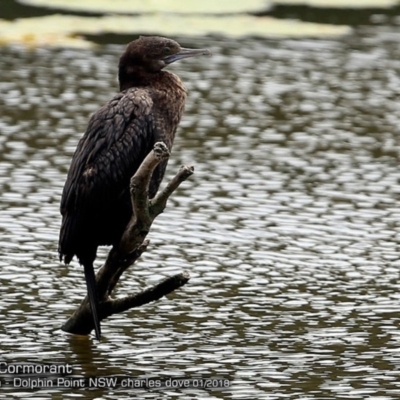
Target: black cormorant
[{"x": 95, "y": 204}]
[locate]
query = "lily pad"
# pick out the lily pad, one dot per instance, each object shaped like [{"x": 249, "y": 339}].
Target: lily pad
[
  {"x": 341, "y": 3},
  {"x": 140, "y": 6},
  {"x": 65, "y": 29},
  {"x": 203, "y": 6}
]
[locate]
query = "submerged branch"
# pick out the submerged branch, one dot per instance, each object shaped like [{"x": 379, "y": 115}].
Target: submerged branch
[{"x": 131, "y": 246}]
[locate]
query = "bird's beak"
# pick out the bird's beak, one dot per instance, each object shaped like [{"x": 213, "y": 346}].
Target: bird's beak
[{"x": 186, "y": 53}]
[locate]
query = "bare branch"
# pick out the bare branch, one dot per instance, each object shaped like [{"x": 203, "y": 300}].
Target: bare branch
[
  {"x": 154, "y": 293},
  {"x": 140, "y": 183},
  {"x": 131, "y": 246},
  {"x": 158, "y": 204},
  {"x": 81, "y": 322}
]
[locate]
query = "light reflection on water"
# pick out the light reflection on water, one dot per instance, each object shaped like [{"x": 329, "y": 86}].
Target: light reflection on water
[{"x": 288, "y": 227}]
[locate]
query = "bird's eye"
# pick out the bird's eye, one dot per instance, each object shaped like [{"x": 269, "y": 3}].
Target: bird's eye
[{"x": 167, "y": 50}]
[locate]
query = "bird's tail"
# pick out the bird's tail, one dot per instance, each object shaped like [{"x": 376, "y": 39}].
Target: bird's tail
[{"x": 92, "y": 294}]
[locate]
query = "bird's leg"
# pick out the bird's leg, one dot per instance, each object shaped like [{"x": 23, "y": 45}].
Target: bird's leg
[{"x": 93, "y": 297}]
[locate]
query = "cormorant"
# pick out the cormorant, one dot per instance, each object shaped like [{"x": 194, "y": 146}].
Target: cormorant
[{"x": 95, "y": 204}]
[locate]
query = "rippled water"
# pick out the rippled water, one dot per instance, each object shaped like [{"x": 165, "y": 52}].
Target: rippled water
[{"x": 289, "y": 227}]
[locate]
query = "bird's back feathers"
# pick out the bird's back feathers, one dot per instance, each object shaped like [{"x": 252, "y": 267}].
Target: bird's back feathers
[{"x": 118, "y": 137}]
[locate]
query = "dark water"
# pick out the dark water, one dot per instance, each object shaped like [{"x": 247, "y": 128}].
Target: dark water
[{"x": 289, "y": 227}]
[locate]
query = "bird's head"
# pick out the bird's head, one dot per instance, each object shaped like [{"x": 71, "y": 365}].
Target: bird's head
[{"x": 151, "y": 54}]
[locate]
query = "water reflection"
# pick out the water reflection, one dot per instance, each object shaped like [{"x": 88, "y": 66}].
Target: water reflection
[{"x": 288, "y": 227}]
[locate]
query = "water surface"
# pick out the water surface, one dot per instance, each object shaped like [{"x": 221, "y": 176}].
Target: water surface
[{"x": 289, "y": 227}]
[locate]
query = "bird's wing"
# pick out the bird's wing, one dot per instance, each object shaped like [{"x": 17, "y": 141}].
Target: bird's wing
[{"x": 118, "y": 137}]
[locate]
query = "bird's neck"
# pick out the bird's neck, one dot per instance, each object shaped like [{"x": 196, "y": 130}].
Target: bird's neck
[
  {"x": 133, "y": 77},
  {"x": 167, "y": 92},
  {"x": 137, "y": 77}
]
